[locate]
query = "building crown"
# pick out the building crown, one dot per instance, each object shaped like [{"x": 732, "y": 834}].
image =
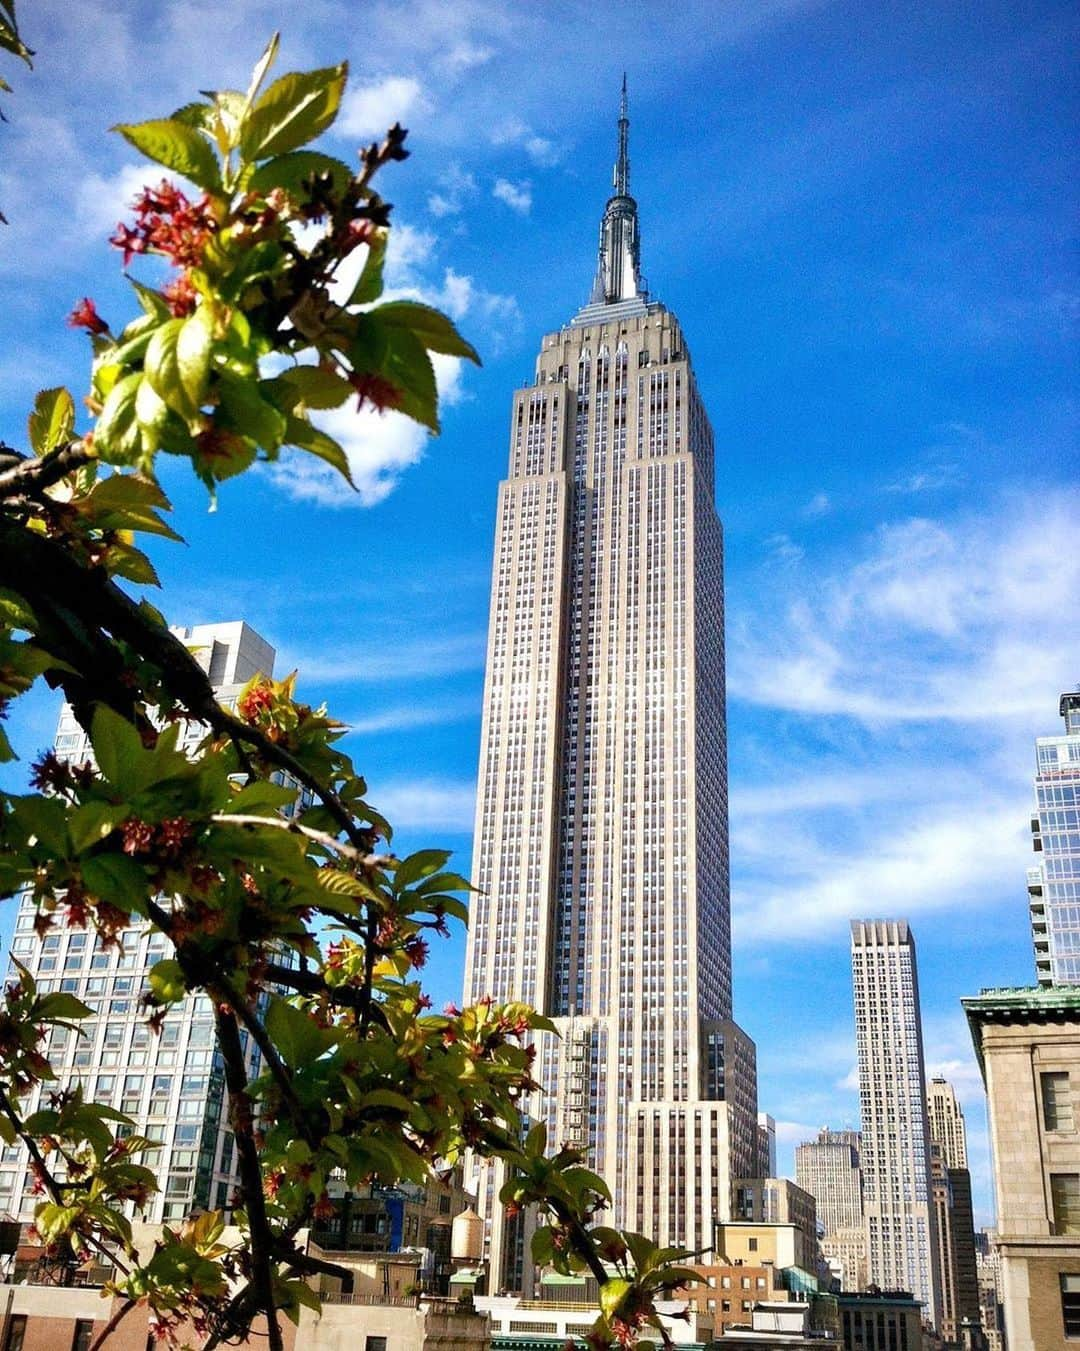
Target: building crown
[{"x": 618, "y": 264}]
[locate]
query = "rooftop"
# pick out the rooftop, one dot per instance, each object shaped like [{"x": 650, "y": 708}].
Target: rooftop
[{"x": 1020, "y": 1003}]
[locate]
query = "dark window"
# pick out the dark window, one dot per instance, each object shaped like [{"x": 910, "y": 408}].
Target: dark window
[
  {"x": 1056, "y": 1102},
  {"x": 374, "y": 1344},
  {"x": 1070, "y": 1304},
  {"x": 751, "y": 1243},
  {"x": 16, "y": 1333},
  {"x": 1065, "y": 1199},
  {"x": 84, "y": 1334}
]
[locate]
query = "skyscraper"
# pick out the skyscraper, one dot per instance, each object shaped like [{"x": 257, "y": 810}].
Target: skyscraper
[
  {"x": 601, "y": 847},
  {"x": 828, "y": 1168},
  {"x": 951, "y": 1189},
  {"x": 1054, "y": 883},
  {"x": 171, "y": 1083},
  {"x": 946, "y": 1119},
  {"x": 901, "y": 1236}
]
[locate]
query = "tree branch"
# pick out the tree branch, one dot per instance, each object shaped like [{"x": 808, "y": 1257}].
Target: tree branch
[
  {"x": 262, "y": 1275},
  {"x": 34, "y": 475}
]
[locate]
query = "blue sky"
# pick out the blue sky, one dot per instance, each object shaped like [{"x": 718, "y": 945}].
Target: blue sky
[{"x": 861, "y": 213}]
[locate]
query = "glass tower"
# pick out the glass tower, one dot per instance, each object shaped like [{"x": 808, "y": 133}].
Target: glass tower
[
  {"x": 1054, "y": 883},
  {"x": 601, "y": 851}
]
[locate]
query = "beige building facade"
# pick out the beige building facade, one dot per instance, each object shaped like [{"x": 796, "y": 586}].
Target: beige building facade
[
  {"x": 946, "y": 1119},
  {"x": 901, "y": 1235},
  {"x": 601, "y": 855},
  {"x": 1028, "y": 1045}
]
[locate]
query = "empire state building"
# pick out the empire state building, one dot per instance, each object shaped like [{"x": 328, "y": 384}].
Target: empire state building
[{"x": 601, "y": 845}]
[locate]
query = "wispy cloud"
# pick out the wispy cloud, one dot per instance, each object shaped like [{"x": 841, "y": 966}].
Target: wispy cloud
[
  {"x": 517, "y": 196},
  {"x": 819, "y": 505},
  {"x": 455, "y": 188},
  {"x": 784, "y": 550},
  {"x": 429, "y": 658},
  {"x": 935, "y": 621},
  {"x": 433, "y": 804},
  {"x": 403, "y": 717}
]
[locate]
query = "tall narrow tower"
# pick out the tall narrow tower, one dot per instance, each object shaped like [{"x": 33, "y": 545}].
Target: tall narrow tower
[
  {"x": 601, "y": 832},
  {"x": 901, "y": 1236}
]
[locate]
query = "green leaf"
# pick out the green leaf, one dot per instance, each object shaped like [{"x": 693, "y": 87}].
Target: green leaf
[
  {"x": 369, "y": 286},
  {"x": 117, "y": 878},
  {"x": 312, "y": 386},
  {"x": 118, "y": 750},
  {"x": 52, "y": 421},
  {"x": 247, "y": 412},
  {"x": 612, "y": 1294},
  {"x": 117, "y": 435},
  {"x": 421, "y": 864},
  {"x": 299, "y": 432},
  {"x": 293, "y": 111},
  {"x": 52, "y": 1008},
  {"x": 297, "y": 1036},
  {"x": 178, "y": 146},
  {"x": 430, "y": 326},
  {"x": 93, "y": 821},
  {"x": 294, "y": 173},
  {"x": 263, "y": 64},
  {"x": 261, "y": 798},
  {"x": 341, "y": 884},
  {"x": 127, "y": 502},
  {"x": 167, "y": 981},
  {"x": 408, "y": 367},
  {"x": 194, "y": 345}
]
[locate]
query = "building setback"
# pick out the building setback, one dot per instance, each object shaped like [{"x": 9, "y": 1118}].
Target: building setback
[
  {"x": 1054, "y": 883},
  {"x": 601, "y": 852},
  {"x": 951, "y": 1188},
  {"x": 171, "y": 1083},
  {"x": 946, "y": 1120},
  {"x": 901, "y": 1236}
]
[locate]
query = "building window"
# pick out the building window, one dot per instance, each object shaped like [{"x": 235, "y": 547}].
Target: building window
[
  {"x": 1056, "y": 1102},
  {"x": 17, "y": 1331},
  {"x": 1070, "y": 1304},
  {"x": 374, "y": 1344},
  {"x": 751, "y": 1244},
  {"x": 84, "y": 1334},
  {"x": 1065, "y": 1200}
]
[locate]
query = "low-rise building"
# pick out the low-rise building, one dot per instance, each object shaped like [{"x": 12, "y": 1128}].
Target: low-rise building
[
  {"x": 752, "y": 1242},
  {"x": 880, "y": 1320},
  {"x": 1028, "y": 1045}
]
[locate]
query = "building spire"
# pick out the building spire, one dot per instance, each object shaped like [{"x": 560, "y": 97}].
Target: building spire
[
  {"x": 622, "y": 164},
  {"x": 618, "y": 269}
]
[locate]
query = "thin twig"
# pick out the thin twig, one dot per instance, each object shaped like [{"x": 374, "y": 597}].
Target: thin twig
[{"x": 35, "y": 474}]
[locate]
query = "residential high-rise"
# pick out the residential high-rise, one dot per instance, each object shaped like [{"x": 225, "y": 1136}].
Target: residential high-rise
[
  {"x": 766, "y": 1126},
  {"x": 901, "y": 1236},
  {"x": 1054, "y": 883},
  {"x": 601, "y": 846},
  {"x": 946, "y": 1120},
  {"x": 171, "y": 1083},
  {"x": 828, "y": 1168}
]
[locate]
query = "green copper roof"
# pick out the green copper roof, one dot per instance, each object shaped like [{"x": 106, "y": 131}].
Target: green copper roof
[{"x": 1024, "y": 1003}]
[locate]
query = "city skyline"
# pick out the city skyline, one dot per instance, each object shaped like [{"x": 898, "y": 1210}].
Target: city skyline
[{"x": 864, "y": 233}]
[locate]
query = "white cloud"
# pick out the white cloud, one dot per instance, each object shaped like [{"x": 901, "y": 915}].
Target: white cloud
[
  {"x": 783, "y": 550},
  {"x": 402, "y": 717},
  {"x": 819, "y": 505},
  {"x": 431, "y": 804},
  {"x": 463, "y": 57},
  {"x": 517, "y": 196},
  {"x": 432, "y": 658},
  {"x": 794, "y": 1132},
  {"x": 936, "y": 858},
  {"x": 103, "y": 200},
  {"x": 544, "y": 152},
  {"x": 455, "y": 188},
  {"x": 367, "y": 111},
  {"x": 959, "y": 621}
]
